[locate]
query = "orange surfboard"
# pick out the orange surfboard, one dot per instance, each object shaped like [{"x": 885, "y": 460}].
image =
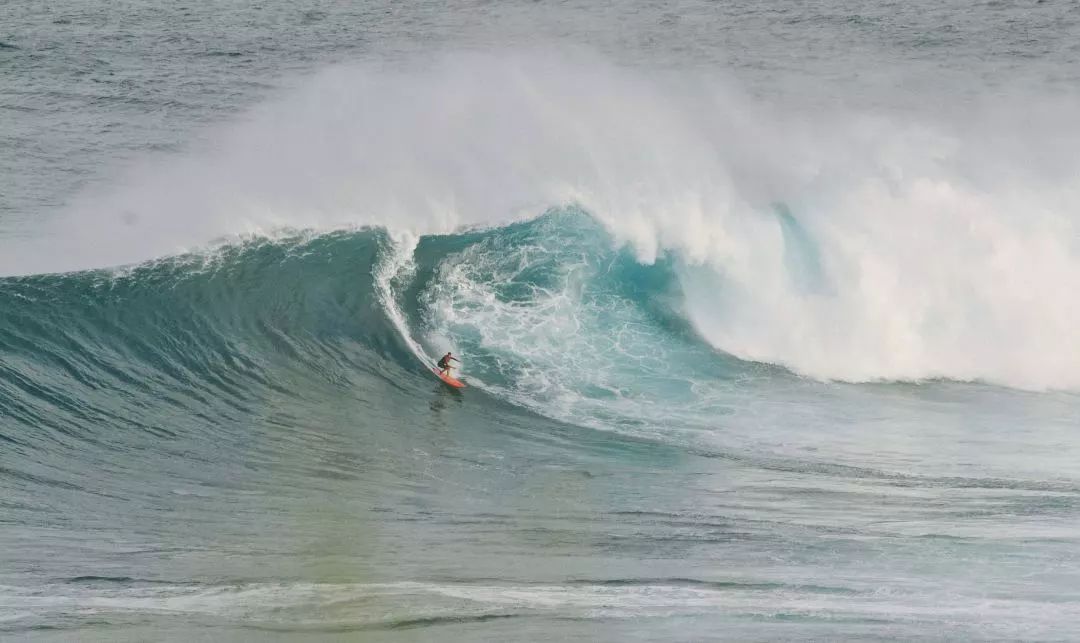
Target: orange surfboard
[{"x": 449, "y": 379}]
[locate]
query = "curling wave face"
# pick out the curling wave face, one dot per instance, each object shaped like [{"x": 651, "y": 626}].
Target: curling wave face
[{"x": 550, "y": 314}]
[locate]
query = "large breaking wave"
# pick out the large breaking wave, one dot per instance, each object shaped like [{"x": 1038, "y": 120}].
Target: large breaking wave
[{"x": 842, "y": 243}]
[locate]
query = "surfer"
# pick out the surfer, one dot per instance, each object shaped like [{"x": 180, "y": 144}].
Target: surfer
[{"x": 444, "y": 363}]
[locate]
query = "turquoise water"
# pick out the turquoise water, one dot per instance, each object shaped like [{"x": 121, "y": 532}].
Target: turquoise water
[{"x": 767, "y": 314}]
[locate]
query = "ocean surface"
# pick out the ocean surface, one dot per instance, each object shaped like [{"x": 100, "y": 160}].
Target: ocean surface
[{"x": 768, "y": 310}]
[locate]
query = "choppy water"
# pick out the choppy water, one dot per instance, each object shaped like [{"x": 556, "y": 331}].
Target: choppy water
[{"x": 768, "y": 313}]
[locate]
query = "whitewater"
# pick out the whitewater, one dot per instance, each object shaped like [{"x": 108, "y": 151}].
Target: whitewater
[{"x": 768, "y": 315}]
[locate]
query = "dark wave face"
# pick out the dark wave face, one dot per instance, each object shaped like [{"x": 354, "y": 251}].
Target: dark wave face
[{"x": 249, "y": 440}]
